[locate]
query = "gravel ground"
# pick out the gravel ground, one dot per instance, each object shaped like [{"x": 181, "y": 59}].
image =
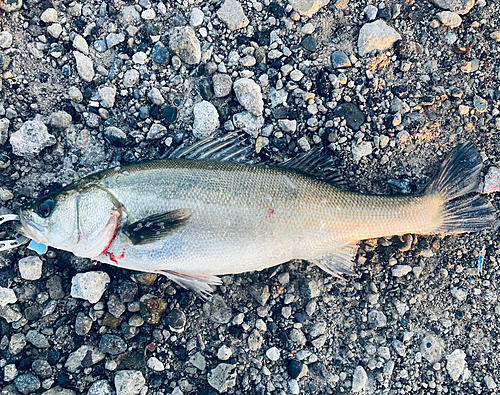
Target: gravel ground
[{"x": 388, "y": 89}]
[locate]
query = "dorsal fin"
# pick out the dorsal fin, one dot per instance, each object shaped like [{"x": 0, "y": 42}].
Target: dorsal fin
[
  {"x": 317, "y": 164},
  {"x": 226, "y": 148}
]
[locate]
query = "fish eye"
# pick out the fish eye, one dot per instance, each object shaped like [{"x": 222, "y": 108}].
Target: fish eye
[{"x": 45, "y": 207}]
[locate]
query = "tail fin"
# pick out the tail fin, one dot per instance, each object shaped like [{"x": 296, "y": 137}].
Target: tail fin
[{"x": 457, "y": 177}]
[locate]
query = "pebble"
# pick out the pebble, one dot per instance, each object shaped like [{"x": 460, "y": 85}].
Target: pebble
[
  {"x": 155, "y": 96},
  {"x": 114, "y": 39},
  {"x": 400, "y": 270},
  {"x": 152, "y": 308},
  {"x": 308, "y": 43},
  {"x": 156, "y": 131},
  {"x": 60, "y": 120},
  {"x": 139, "y": 57},
  {"x": 377, "y": 319},
  {"x": 206, "y": 119},
  {"x": 449, "y": 18},
  {"x": 11, "y": 5},
  {"x": 5, "y": 39},
  {"x": 254, "y": 340},
  {"x": 492, "y": 180},
  {"x": 222, "y": 84},
  {"x": 112, "y": 345},
  {"x": 107, "y": 95},
  {"x": 160, "y": 55},
  {"x": 249, "y": 95},
  {"x": 131, "y": 78},
  {"x": 223, "y": 377},
  {"x": 198, "y": 361},
  {"x": 359, "y": 379},
  {"x": 307, "y": 28},
  {"x": 27, "y": 383},
  {"x": 10, "y": 372},
  {"x": 459, "y": 294},
  {"x": 490, "y": 382},
  {"x": 480, "y": 104},
  {"x": 376, "y": 36},
  {"x": 296, "y": 75},
  {"x": 7, "y": 296},
  {"x": 37, "y": 339},
  {"x": 231, "y": 13},
  {"x": 432, "y": 348},
  {"x": 91, "y": 355},
  {"x": 196, "y": 17},
  {"x": 249, "y": 123},
  {"x": 224, "y": 353},
  {"x": 260, "y": 293},
  {"x": 115, "y": 136},
  {"x": 495, "y": 36},
  {"x": 84, "y": 66},
  {"x": 17, "y": 343},
  {"x": 185, "y": 44},
  {"x": 361, "y": 150},
  {"x": 149, "y": 14},
  {"x": 293, "y": 385},
  {"x": 55, "y": 30},
  {"x": 273, "y": 354},
  {"x": 307, "y": 8},
  {"x": 176, "y": 320},
  {"x": 309, "y": 289},
  {"x": 49, "y": 15},
  {"x": 169, "y": 114},
  {"x": 353, "y": 116},
  {"x": 304, "y": 144},
  {"x": 129, "y": 382},
  {"x": 340, "y": 60},
  {"x": 101, "y": 387},
  {"x": 89, "y": 286},
  {"x": 31, "y": 138},
  {"x": 4, "y": 130},
  {"x": 155, "y": 364},
  {"x": 83, "y": 324},
  {"x": 100, "y": 46},
  {"x": 370, "y": 12},
  {"x": 461, "y": 7},
  {"x": 455, "y": 364}
]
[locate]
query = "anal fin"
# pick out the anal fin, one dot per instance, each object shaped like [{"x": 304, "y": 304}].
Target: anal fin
[
  {"x": 199, "y": 283},
  {"x": 339, "y": 262}
]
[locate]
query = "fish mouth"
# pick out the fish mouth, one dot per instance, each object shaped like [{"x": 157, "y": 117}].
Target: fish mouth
[{"x": 31, "y": 229}]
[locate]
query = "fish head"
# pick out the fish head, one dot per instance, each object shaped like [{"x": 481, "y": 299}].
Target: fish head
[{"x": 82, "y": 219}]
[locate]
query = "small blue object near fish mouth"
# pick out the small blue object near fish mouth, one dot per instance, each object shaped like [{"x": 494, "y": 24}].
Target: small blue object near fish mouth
[{"x": 39, "y": 248}]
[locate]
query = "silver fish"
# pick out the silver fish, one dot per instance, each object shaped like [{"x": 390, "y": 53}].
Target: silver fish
[{"x": 194, "y": 219}]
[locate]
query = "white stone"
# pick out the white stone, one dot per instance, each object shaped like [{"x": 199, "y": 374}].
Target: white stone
[
  {"x": 139, "y": 57},
  {"x": 359, "y": 379},
  {"x": 148, "y": 14},
  {"x": 74, "y": 361},
  {"x": 55, "y": 30},
  {"x": 9, "y": 372},
  {"x": 361, "y": 150},
  {"x": 49, "y": 15},
  {"x": 5, "y": 40},
  {"x": 376, "y": 36},
  {"x": 196, "y": 18},
  {"x": 155, "y": 364},
  {"x": 449, "y": 18},
  {"x": 288, "y": 126},
  {"x": 249, "y": 95},
  {"x": 80, "y": 44},
  {"x": 30, "y": 268},
  {"x": 156, "y": 131},
  {"x": 89, "y": 286},
  {"x": 155, "y": 96},
  {"x": 224, "y": 353},
  {"x": 231, "y": 13},
  {"x": 31, "y": 138},
  {"x": 455, "y": 364},
  {"x": 185, "y": 44},
  {"x": 7, "y": 296},
  {"x": 206, "y": 119},
  {"x": 131, "y": 78},
  {"x": 84, "y": 66},
  {"x": 273, "y": 354},
  {"x": 401, "y": 270},
  {"x": 129, "y": 382},
  {"x": 107, "y": 95},
  {"x": 308, "y": 7}
]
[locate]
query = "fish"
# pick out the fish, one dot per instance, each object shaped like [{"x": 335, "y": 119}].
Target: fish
[{"x": 203, "y": 213}]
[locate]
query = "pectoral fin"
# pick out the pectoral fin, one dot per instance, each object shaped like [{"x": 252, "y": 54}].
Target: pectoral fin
[
  {"x": 199, "y": 283},
  {"x": 340, "y": 261},
  {"x": 156, "y": 227}
]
